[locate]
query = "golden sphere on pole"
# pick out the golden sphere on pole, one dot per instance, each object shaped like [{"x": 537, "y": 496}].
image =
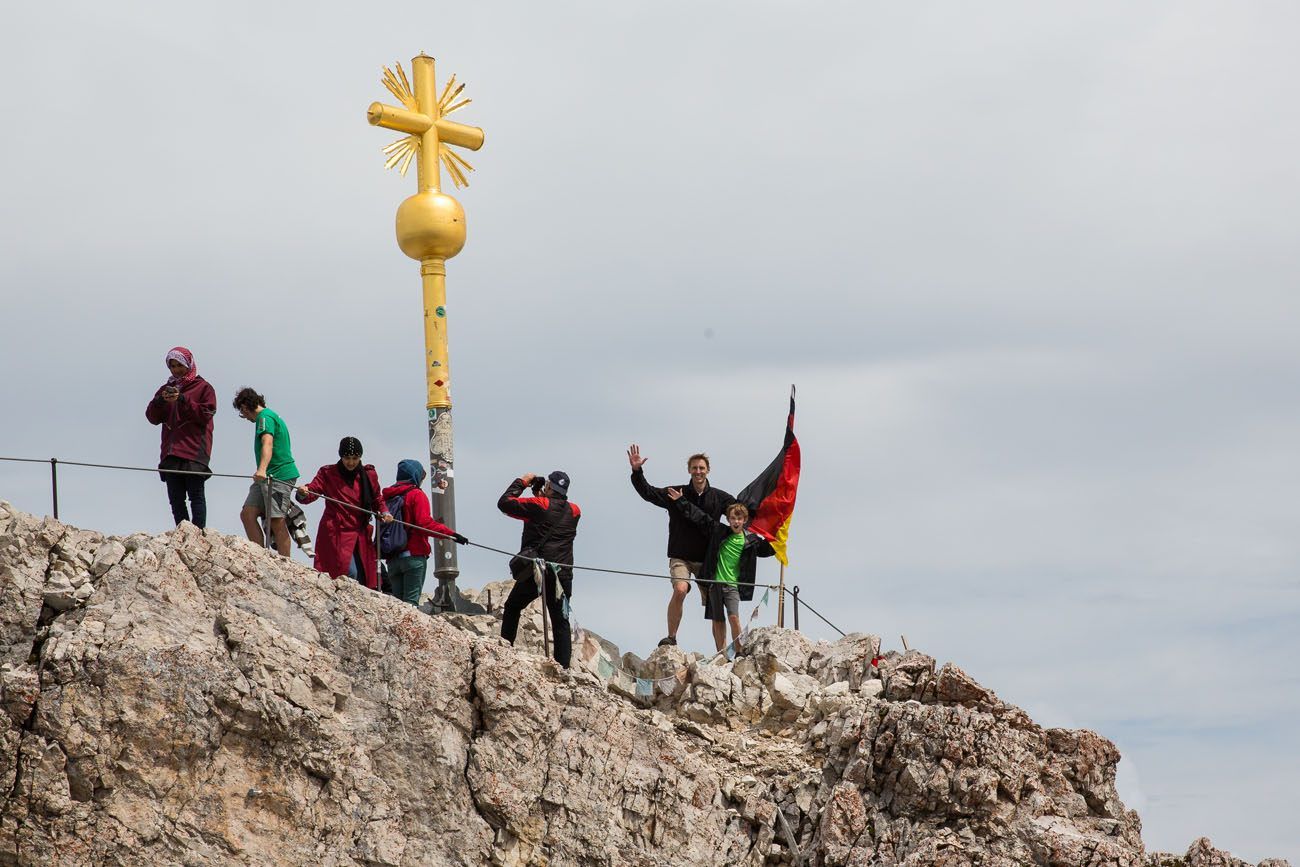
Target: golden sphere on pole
[{"x": 430, "y": 226}]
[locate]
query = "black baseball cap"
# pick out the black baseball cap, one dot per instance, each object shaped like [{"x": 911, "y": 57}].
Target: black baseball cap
[{"x": 559, "y": 481}]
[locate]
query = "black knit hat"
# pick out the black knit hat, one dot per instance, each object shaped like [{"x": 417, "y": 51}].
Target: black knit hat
[{"x": 350, "y": 447}]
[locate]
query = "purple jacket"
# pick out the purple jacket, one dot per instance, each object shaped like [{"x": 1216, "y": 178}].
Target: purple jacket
[{"x": 186, "y": 423}]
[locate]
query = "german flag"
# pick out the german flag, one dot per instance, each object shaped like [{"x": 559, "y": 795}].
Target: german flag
[{"x": 770, "y": 497}]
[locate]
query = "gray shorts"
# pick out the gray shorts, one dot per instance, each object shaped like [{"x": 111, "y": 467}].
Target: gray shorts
[
  {"x": 722, "y": 598},
  {"x": 281, "y": 489}
]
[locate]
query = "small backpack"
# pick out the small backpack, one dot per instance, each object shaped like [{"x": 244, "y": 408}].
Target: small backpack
[{"x": 393, "y": 537}]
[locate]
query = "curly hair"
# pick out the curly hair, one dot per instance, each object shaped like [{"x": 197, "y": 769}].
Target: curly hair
[{"x": 247, "y": 398}]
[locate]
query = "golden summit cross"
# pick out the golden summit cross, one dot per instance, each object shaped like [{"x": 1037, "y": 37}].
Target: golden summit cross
[{"x": 431, "y": 229}]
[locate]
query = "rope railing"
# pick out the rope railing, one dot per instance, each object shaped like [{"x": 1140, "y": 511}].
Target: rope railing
[{"x": 631, "y": 573}]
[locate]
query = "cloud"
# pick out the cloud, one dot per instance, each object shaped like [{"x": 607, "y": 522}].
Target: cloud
[{"x": 1031, "y": 267}]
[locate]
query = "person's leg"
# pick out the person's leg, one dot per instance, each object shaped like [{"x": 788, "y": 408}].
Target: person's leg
[
  {"x": 718, "y": 612},
  {"x": 248, "y": 515},
  {"x": 406, "y": 578},
  {"x": 198, "y": 500},
  {"x": 677, "y": 569},
  {"x": 561, "y": 637},
  {"x": 176, "y": 497},
  {"x": 280, "y": 532},
  {"x": 524, "y": 591},
  {"x": 254, "y": 505},
  {"x": 734, "y": 620},
  {"x": 280, "y": 491},
  {"x": 356, "y": 571},
  {"x": 413, "y": 580}
]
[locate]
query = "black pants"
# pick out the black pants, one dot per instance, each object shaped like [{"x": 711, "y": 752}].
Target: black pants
[
  {"x": 180, "y": 486},
  {"x": 524, "y": 592}
]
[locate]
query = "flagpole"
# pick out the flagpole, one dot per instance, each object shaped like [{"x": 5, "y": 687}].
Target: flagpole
[{"x": 780, "y": 599}]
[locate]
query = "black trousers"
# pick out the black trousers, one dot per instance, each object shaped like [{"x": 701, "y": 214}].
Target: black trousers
[
  {"x": 524, "y": 592},
  {"x": 180, "y": 486}
]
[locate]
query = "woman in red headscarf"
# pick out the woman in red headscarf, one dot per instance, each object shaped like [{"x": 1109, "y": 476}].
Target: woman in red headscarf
[{"x": 184, "y": 405}]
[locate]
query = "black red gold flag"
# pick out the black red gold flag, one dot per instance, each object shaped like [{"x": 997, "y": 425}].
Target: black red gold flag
[{"x": 770, "y": 497}]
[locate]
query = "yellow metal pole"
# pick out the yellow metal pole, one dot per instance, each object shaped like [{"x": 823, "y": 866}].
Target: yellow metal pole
[
  {"x": 426, "y": 101},
  {"x": 431, "y": 229}
]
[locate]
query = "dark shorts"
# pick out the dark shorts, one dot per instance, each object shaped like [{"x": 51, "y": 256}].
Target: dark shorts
[{"x": 723, "y": 601}]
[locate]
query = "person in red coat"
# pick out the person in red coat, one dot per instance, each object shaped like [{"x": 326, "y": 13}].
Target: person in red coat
[
  {"x": 184, "y": 405},
  {"x": 345, "y": 544},
  {"x": 406, "y": 567}
]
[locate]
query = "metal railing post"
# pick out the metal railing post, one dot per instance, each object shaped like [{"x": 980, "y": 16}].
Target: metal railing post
[
  {"x": 795, "y": 593},
  {"x": 54, "y": 485}
]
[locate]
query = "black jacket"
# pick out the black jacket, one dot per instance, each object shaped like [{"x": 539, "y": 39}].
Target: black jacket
[
  {"x": 538, "y": 513},
  {"x": 686, "y": 541},
  {"x": 755, "y": 546}
]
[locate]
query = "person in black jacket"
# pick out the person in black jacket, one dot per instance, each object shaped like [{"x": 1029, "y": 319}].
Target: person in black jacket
[
  {"x": 729, "y": 565},
  {"x": 550, "y": 526},
  {"x": 687, "y": 543}
]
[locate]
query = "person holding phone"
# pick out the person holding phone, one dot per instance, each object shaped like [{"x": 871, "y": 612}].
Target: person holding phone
[{"x": 184, "y": 406}]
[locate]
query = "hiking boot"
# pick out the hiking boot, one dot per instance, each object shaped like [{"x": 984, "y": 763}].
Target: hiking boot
[{"x": 670, "y": 641}]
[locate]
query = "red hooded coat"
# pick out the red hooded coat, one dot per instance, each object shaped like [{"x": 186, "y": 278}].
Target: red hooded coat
[
  {"x": 187, "y": 421},
  {"x": 343, "y": 530},
  {"x": 415, "y": 510}
]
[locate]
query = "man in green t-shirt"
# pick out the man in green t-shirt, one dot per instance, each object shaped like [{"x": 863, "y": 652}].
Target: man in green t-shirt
[{"x": 276, "y": 473}]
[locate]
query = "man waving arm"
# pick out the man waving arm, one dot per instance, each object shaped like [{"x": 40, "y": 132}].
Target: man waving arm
[{"x": 649, "y": 493}]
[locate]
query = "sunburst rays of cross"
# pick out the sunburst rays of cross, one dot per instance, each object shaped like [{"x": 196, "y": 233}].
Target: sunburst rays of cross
[{"x": 401, "y": 153}]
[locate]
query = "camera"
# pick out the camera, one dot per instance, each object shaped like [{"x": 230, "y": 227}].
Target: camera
[{"x": 538, "y": 484}]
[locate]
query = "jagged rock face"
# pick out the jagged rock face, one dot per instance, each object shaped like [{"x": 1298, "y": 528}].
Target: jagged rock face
[{"x": 192, "y": 699}]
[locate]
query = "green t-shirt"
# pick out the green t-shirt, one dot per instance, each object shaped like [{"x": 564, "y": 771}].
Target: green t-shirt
[
  {"x": 282, "y": 465},
  {"x": 729, "y": 558}
]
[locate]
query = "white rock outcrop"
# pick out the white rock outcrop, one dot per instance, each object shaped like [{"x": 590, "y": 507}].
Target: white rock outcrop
[{"x": 189, "y": 698}]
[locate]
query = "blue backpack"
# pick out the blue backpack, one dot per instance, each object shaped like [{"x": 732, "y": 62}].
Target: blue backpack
[{"x": 393, "y": 537}]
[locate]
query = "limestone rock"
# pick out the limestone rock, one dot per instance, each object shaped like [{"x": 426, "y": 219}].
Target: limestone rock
[
  {"x": 1203, "y": 854},
  {"x": 191, "y": 698}
]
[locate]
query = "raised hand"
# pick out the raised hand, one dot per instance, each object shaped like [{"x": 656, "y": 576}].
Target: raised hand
[
  {"x": 634, "y": 457},
  {"x": 673, "y": 493}
]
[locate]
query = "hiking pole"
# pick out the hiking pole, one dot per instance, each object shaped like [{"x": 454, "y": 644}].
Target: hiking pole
[
  {"x": 379, "y": 556},
  {"x": 266, "y": 510},
  {"x": 546, "y": 620}
]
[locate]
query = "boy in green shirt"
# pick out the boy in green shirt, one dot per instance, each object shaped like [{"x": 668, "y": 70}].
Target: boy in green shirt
[
  {"x": 276, "y": 473},
  {"x": 730, "y": 564}
]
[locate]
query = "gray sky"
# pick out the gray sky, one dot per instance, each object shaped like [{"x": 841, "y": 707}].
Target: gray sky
[{"x": 1032, "y": 266}]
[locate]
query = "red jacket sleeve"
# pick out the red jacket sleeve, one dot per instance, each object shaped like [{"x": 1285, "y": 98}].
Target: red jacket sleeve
[
  {"x": 523, "y": 508},
  {"x": 156, "y": 411},
  {"x": 416, "y": 511},
  {"x": 316, "y": 486},
  {"x": 198, "y": 405}
]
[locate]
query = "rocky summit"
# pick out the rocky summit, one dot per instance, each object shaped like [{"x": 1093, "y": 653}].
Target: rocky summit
[{"x": 189, "y": 698}]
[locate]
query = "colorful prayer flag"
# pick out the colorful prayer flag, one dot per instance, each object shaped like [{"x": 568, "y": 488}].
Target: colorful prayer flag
[
  {"x": 766, "y": 593},
  {"x": 604, "y": 667},
  {"x": 644, "y": 687},
  {"x": 770, "y": 497}
]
